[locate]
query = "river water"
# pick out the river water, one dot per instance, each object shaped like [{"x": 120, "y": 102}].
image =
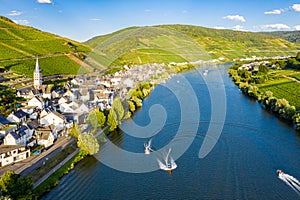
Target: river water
[{"x": 242, "y": 165}]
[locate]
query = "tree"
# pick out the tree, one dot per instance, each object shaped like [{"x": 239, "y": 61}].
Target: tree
[
  {"x": 119, "y": 110},
  {"x": 298, "y": 56},
  {"x": 287, "y": 112},
  {"x": 96, "y": 119},
  {"x": 88, "y": 143},
  {"x": 137, "y": 101},
  {"x": 296, "y": 119},
  {"x": 131, "y": 106},
  {"x": 280, "y": 104},
  {"x": 112, "y": 120},
  {"x": 263, "y": 69},
  {"x": 15, "y": 187},
  {"x": 75, "y": 131}
]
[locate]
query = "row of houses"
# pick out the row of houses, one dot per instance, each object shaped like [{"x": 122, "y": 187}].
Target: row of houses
[{"x": 49, "y": 113}]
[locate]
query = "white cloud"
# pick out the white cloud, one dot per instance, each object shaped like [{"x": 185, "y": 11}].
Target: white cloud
[
  {"x": 235, "y": 18},
  {"x": 14, "y": 13},
  {"x": 297, "y": 27},
  {"x": 21, "y": 21},
  {"x": 296, "y": 7},
  {"x": 272, "y": 26},
  {"x": 238, "y": 28},
  {"x": 273, "y": 12},
  {"x": 95, "y": 19},
  {"x": 44, "y": 1}
]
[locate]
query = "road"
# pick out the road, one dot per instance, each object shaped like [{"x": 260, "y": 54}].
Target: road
[
  {"x": 34, "y": 162},
  {"x": 55, "y": 168}
]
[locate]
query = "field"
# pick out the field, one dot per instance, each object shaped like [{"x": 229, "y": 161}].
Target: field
[
  {"x": 50, "y": 66},
  {"x": 284, "y": 88},
  {"x": 296, "y": 76}
]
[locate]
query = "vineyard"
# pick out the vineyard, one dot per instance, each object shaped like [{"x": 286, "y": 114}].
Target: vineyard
[
  {"x": 49, "y": 66},
  {"x": 296, "y": 76},
  {"x": 286, "y": 89},
  {"x": 19, "y": 46}
]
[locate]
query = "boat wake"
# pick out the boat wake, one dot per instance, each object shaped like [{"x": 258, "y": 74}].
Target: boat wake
[
  {"x": 290, "y": 181},
  {"x": 168, "y": 164},
  {"x": 148, "y": 147}
]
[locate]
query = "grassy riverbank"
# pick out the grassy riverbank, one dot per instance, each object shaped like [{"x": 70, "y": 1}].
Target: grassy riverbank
[{"x": 274, "y": 84}]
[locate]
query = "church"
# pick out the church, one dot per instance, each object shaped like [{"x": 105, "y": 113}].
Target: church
[{"x": 37, "y": 76}]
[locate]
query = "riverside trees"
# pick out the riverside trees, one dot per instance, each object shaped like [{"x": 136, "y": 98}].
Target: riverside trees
[{"x": 249, "y": 81}]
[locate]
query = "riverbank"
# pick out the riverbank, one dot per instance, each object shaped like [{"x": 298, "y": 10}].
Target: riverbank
[
  {"x": 252, "y": 146},
  {"x": 273, "y": 86},
  {"x": 134, "y": 102}
]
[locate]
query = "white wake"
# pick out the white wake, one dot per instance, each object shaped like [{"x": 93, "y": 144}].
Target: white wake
[{"x": 291, "y": 181}]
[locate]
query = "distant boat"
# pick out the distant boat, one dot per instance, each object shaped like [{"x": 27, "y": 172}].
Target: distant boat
[
  {"x": 147, "y": 146},
  {"x": 205, "y": 72}
]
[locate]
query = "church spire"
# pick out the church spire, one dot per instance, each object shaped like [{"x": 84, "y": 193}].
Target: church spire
[
  {"x": 37, "y": 76},
  {"x": 37, "y": 66}
]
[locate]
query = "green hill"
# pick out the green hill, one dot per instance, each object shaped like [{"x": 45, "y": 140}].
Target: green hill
[
  {"x": 179, "y": 43},
  {"x": 292, "y": 36},
  {"x": 19, "y": 46}
]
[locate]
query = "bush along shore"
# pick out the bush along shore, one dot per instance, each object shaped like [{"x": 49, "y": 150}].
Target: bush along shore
[{"x": 272, "y": 84}]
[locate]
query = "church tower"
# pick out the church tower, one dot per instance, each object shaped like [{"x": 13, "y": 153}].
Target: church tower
[{"x": 37, "y": 76}]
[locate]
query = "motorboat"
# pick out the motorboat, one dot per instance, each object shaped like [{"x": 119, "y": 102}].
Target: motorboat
[{"x": 280, "y": 171}]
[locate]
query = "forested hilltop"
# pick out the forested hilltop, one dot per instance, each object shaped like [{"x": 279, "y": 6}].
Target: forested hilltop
[
  {"x": 180, "y": 43},
  {"x": 292, "y": 36}
]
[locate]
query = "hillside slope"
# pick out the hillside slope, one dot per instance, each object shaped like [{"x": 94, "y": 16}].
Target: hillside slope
[
  {"x": 179, "y": 43},
  {"x": 19, "y": 46},
  {"x": 292, "y": 36}
]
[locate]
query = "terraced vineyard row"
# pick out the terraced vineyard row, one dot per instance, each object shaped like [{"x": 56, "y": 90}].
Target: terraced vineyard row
[{"x": 288, "y": 90}]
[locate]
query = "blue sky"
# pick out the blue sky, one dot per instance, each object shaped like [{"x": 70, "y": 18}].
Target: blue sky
[{"x": 82, "y": 19}]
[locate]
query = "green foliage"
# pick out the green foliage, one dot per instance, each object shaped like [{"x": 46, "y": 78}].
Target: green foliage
[
  {"x": 131, "y": 106},
  {"x": 137, "y": 101},
  {"x": 53, "y": 180},
  {"x": 112, "y": 120},
  {"x": 279, "y": 95},
  {"x": 296, "y": 120},
  {"x": 292, "y": 36},
  {"x": 22, "y": 43},
  {"x": 88, "y": 143},
  {"x": 288, "y": 90},
  {"x": 63, "y": 65},
  {"x": 180, "y": 43},
  {"x": 96, "y": 119},
  {"x": 8, "y": 100},
  {"x": 263, "y": 69},
  {"x": 15, "y": 187},
  {"x": 75, "y": 131}
]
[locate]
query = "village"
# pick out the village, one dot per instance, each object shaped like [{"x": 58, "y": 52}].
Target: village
[{"x": 48, "y": 114}]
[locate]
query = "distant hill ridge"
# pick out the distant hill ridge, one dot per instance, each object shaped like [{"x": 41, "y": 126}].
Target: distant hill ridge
[
  {"x": 292, "y": 36},
  {"x": 19, "y": 46},
  {"x": 165, "y": 43}
]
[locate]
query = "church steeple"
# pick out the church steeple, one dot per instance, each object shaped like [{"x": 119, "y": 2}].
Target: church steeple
[
  {"x": 37, "y": 66},
  {"x": 37, "y": 76}
]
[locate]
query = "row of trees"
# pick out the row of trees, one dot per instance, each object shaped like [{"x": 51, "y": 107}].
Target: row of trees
[{"x": 280, "y": 107}]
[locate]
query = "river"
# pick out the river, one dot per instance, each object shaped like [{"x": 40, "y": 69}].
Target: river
[{"x": 242, "y": 165}]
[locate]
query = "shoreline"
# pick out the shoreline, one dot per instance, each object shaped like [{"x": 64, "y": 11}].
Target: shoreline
[{"x": 53, "y": 179}]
